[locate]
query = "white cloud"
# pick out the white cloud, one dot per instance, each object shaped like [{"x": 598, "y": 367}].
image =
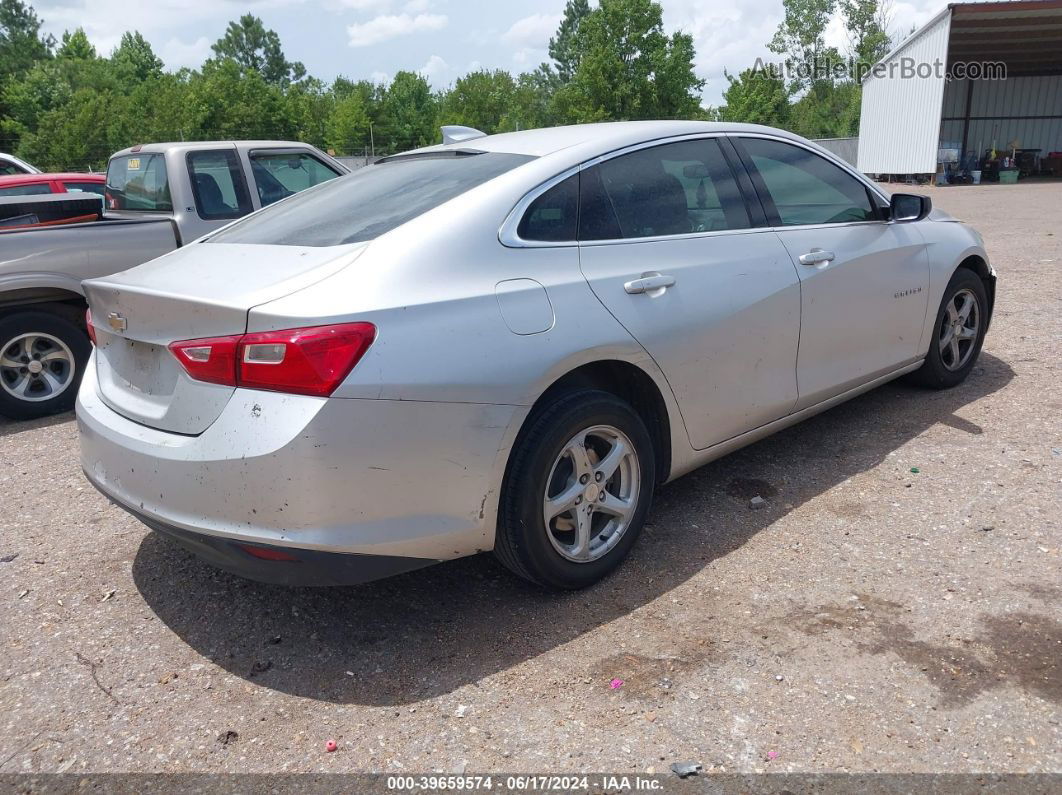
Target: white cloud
[
  {"x": 436, "y": 71},
  {"x": 532, "y": 31},
  {"x": 389, "y": 26},
  {"x": 441, "y": 74},
  {"x": 176, "y": 53},
  {"x": 530, "y": 57},
  {"x": 380, "y": 78},
  {"x": 365, "y": 5},
  {"x": 105, "y": 21}
]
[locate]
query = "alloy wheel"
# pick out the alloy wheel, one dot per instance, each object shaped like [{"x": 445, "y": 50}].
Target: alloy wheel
[
  {"x": 591, "y": 493},
  {"x": 959, "y": 327}
]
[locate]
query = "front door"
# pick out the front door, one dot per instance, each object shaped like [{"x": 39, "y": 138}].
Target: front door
[
  {"x": 667, "y": 246},
  {"x": 864, "y": 281}
]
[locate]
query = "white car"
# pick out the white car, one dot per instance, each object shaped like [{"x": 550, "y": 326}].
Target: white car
[{"x": 506, "y": 343}]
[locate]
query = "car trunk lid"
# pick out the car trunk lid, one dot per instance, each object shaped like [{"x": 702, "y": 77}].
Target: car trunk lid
[{"x": 204, "y": 290}]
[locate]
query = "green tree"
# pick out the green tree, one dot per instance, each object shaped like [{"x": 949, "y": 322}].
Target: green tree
[
  {"x": 76, "y": 46},
  {"x": 407, "y": 113},
  {"x": 867, "y": 24},
  {"x": 21, "y": 43},
  {"x": 255, "y": 48},
  {"x": 532, "y": 100},
  {"x": 827, "y": 110},
  {"x": 347, "y": 127},
  {"x": 134, "y": 59},
  {"x": 234, "y": 103},
  {"x": 564, "y": 48},
  {"x": 481, "y": 99},
  {"x": 801, "y": 38},
  {"x": 629, "y": 68},
  {"x": 755, "y": 97}
]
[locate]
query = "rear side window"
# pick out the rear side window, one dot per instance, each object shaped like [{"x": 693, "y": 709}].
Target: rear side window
[
  {"x": 806, "y": 188},
  {"x": 217, "y": 183},
  {"x": 672, "y": 189},
  {"x": 26, "y": 190},
  {"x": 279, "y": 175},
  {"x": 139, "y": 183},
  {"x": 371, "y": 201},
  {"x": 553, "y": 216},
  {"x": 83, "y": 187}
]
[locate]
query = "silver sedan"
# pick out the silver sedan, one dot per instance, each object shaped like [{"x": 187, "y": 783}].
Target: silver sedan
[{"x": 506, "y": 343}]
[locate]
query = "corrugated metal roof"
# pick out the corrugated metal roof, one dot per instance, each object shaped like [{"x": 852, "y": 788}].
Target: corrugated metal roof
[{"x": 1024, "y": 34}]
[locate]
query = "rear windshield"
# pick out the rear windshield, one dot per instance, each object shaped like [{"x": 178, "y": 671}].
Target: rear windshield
[
  {"x": 138, "y": 182},
  {"x": 369, "y": 202}
]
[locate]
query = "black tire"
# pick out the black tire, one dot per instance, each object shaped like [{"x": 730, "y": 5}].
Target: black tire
[
  {"x": 934, "y": 373},
  {"x": 12, "y": 328},
  {"x": 522, "y": 543}
]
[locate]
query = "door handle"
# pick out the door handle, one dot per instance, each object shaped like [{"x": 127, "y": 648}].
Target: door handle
[
  {"x": 816, "y": 257},
  {"x": 653, "y": 283}
]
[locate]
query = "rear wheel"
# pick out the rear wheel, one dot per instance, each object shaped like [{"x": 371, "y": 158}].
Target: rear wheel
[
  {"x": 578, "y": 489},
  {"x": 42, "y": 358},
  {"x": 958, "y": 335}
]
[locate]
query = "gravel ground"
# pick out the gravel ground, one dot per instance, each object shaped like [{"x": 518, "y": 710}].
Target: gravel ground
[{"x": 871, "y": 618}]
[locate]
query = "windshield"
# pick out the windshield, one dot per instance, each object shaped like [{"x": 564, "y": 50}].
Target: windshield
[
  {"x": 369, "y": 202},
  {"x": 138, "y": 182}
]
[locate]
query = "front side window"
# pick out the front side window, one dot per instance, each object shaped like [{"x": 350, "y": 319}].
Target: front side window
[
  {"x": 218, "y": 185},
  {"x": 371, "y": 201},
  {"x": 672, "y": 189},
  {"x": 26, "y": 190},
  {"x": 139, "y": 183},
  {"x": 806, "y": 188},
  {"x": 279, "y": 175},
  {"x": 552, "y": 217}
]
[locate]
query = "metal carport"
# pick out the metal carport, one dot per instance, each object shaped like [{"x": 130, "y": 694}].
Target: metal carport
[{"x": 917, "y": 97}]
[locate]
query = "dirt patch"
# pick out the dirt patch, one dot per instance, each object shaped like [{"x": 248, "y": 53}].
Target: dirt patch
[
  {"x": 745, "y": 489},
  {"x": 1019, "y": 649},
  {"x": 648, "y": 677}
]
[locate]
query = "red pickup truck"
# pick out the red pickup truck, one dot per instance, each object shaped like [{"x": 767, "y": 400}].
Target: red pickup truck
[{"x": 31, "y": 184}]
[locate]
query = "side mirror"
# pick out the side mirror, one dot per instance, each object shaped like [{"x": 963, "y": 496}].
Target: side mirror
[{"x": 909, "y": 207}]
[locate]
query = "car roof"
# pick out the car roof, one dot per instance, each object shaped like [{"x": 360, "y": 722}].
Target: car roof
[
  {"x": 31, "y": 179},
  {"x": 605, "y": 136},
  {"x": 164, "y": 146}
]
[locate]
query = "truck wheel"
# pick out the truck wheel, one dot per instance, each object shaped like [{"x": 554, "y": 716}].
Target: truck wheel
[{"x": 42, "y": 359}]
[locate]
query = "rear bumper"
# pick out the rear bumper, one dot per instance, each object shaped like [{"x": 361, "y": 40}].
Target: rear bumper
[
  {"x": 367, "y": 480},
  {"x": 281, "y": 566}
]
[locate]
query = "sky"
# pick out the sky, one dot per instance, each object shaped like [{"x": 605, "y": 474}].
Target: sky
[{"x": 441, "y": 39}]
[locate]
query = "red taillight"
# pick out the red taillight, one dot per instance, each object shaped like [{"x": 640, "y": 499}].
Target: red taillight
[
  {"x": 212, "y": 359},
  {"x": 307, "y": 361},
  {"x": 304, "y": 361},
  {"x": 91, "y": 329}
]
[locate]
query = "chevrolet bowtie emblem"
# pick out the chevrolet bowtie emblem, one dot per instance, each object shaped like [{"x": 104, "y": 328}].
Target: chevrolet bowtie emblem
[{"x": 117, "y": 322}]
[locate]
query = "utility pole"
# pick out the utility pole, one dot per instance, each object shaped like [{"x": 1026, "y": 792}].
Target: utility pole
[{"x": 372, "y": 142}]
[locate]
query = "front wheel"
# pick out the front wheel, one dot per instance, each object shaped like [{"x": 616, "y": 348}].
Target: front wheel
[
  {"x": 962, "y": 320},
  {"x": 577, "y": 491},
  {"x": 42, "y": 358}
]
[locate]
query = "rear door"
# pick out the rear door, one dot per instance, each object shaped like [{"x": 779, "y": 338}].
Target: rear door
[
  {"x": 218, "y": 189},
  {"x": 863, "y": 280},
  {"x": 668, "y": 246}
]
